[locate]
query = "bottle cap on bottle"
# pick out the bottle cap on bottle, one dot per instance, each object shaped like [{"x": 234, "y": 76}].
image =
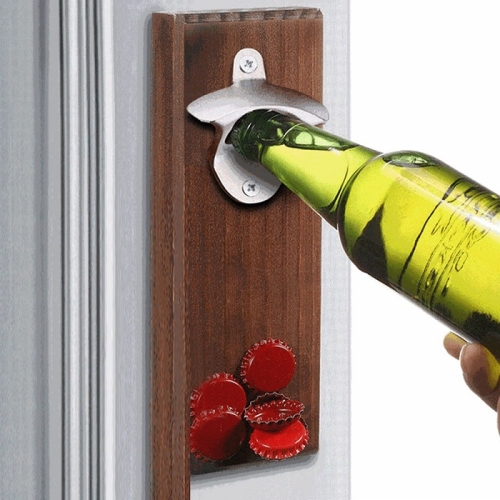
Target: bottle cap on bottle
[
  {"x": 279, "y": 445},
  {"x": 274, "y": 414},
  {"x": 217, "y": 434},
  {"x": 268, "y": 366},
  {"x": 221, "y": 389}
]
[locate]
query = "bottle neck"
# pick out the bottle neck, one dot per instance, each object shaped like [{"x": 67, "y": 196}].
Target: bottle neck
[{"x": 312, "y": 163}]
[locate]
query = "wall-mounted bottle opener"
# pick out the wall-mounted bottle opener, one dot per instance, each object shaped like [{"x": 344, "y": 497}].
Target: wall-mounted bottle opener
[
  {"x": 244, "y": 180},
  {"x": 224, "y": 274}
]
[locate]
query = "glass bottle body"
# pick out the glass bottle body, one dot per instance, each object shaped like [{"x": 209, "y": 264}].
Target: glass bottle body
[
  {"x": 405, "y": 218},
  {"x": 431, "y": 233}
]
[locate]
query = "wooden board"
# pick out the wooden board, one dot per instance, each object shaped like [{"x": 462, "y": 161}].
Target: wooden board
[{"x": 223, "y": 275}]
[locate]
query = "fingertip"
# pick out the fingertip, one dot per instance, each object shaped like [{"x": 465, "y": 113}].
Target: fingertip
[
  {"x": 453, "y": 344},
  {"x": 481, "y": 370},
  {"x": 472, "y": 358}
]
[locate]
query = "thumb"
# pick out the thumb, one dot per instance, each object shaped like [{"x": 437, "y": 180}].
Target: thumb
[{"x": 481, "y": 372}]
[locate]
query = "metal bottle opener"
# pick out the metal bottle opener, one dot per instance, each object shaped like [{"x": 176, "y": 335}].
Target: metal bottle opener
[{"x": 243, "y": 180}]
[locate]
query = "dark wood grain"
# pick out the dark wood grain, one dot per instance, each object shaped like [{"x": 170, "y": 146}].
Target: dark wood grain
[{"x": 223, "y": 275}]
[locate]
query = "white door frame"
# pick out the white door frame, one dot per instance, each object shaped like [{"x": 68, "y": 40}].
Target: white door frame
[{"x": 88, "y": 243}]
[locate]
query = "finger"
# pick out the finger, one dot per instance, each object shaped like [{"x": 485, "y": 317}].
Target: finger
[
  {"x": 481, "y": 372},
  {"x": 453, "y": 344}
]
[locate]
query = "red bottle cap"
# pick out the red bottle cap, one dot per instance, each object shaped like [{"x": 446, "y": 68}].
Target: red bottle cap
[
  {"x": 268, "y": 366},
  {"x": 284, "y": 443},
  {"x": 273, "y": 415},
  {"x": 267, "y": 397},
  {"x": 217, "y": 434},
  {"x": 221, "y": 389}
]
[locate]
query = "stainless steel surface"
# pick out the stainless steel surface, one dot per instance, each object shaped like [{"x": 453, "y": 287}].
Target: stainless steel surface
[{"x": 249, "y": 91}]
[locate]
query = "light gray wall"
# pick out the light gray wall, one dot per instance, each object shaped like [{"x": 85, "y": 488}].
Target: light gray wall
[
  {"x": 30, "y": 252},
  {"x": 324, "y": 476},
  {"x": 22, "y": 352}
]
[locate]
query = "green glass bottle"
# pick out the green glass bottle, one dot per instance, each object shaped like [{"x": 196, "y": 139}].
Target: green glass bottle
[{"x": 405, "y": 218}]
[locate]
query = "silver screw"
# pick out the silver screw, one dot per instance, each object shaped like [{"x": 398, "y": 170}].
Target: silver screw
[
  {"x": 251, "y": 188},
  {"x": 248, "y": 64}
]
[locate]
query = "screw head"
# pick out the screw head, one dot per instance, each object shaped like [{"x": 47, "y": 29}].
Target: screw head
[
  {"x": 251, "y": 188},
  {"x": 248, "y": 64}
]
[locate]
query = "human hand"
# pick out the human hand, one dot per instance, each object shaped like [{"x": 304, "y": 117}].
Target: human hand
[{"x": 480, "y": 369}]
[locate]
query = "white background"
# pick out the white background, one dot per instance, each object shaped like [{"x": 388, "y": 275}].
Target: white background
[{"x": 425, "y": 76}]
